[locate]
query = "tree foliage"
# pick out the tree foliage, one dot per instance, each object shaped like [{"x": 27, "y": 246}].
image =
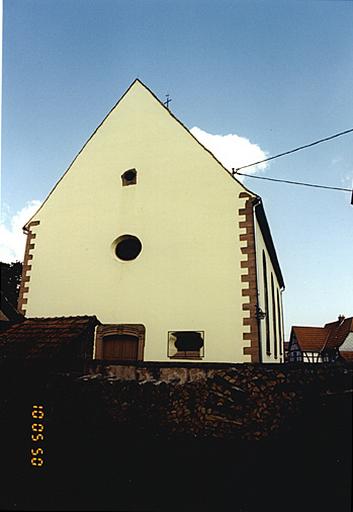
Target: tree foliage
[{"x": 11, "y": 280}]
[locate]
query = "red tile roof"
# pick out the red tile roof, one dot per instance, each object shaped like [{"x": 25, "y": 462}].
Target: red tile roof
[
  {"x": 317, "y": 339},
  {"x": 348, "y": 356},
  {"x": 338, "y": 332},
  {"x": 310, "y": 339},
  {"x": 47, "y": 337}
]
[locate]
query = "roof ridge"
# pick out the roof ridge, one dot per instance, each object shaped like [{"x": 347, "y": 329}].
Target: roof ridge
[
  {"x": 307, "y": 327},
  {"x": 329, "y": 330},
  {"x": 72, "y": 317},
  {"x": 62, "y": 316}
]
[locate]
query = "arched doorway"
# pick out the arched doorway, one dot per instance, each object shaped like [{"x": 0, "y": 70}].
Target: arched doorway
[
  {"x": 120, "y": 346},
  {"x": 124, "y": 342}
]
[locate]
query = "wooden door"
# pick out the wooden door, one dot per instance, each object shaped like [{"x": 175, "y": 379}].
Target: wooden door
[{"x": 120, "y": 347}]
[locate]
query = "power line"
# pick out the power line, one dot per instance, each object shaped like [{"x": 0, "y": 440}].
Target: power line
[
  {"x": 296, "y": 149},
  {"x": 293, "y": 182}
]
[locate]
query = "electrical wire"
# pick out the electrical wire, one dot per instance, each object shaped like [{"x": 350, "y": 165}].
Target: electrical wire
[
  {"x": 297, "y": 149},
  {"x": 293, "y": 182}
]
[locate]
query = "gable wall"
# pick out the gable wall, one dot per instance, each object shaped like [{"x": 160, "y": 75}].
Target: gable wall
[
  {"x": 347, "y": 345},
  {"x": 184, "y": 209}
]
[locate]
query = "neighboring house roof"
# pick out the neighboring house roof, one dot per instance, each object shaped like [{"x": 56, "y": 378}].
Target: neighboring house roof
[
  {"x": 310, "y": 339},
  {"x": 37, "y": 338},
  {"x": 318, "y": 339},
  {"x": 338, "y": 332}
]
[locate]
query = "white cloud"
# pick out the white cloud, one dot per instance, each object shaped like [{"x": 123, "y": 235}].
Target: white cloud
[
  {"x": 12, "y": 238},
  {"x": 347, "y": 180},
  {"x": 232, "y": 150}
]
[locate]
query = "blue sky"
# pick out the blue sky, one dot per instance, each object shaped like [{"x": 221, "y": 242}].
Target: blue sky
[{"x": 279, "y": 74}]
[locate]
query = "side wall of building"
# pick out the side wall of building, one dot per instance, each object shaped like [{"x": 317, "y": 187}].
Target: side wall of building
[{"x": 270, "y": 302}]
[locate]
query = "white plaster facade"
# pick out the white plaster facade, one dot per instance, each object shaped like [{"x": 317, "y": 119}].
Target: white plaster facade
[
  {"x": 347, "y": 345},
  {"x": 274, "y": 317},
  {"x": 184, "y": 210}
]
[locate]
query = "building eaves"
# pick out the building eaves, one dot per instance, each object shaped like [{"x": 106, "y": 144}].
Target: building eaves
[
  {"x": 338, "y": 332},
  {"x": 266, "y": 233}
]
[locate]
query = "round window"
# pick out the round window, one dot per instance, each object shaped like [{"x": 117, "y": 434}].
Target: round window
[{"x": 128, "y": 247}]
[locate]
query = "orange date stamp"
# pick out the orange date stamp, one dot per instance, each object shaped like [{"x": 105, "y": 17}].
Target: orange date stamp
[{"x": 37, "y": 436}]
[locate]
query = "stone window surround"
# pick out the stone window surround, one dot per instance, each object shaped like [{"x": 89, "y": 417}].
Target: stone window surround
[{"x": 194, "y": 354}]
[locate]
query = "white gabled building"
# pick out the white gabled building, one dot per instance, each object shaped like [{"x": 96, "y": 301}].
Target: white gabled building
[{"x": 150, "y": 233}]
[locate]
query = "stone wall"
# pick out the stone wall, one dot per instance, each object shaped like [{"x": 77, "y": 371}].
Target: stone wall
[
  {"x": 219, "y": 400},
  {"x": 153, "y": 436}
]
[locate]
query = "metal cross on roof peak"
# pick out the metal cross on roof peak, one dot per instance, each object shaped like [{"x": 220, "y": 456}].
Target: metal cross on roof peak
[{"x": 168, "y": 100}]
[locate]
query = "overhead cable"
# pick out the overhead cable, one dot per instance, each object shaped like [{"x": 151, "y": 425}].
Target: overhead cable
[
  {"x": 297, "y": 149},
  {"x": 293, "y": 182}
]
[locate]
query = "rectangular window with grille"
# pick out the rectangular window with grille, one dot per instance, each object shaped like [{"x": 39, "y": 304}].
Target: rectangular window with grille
[{"x": 186, "y": 344}]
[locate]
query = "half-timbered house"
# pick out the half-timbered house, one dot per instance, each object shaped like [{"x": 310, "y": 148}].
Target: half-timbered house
[{"x": 325, "y": 344}]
